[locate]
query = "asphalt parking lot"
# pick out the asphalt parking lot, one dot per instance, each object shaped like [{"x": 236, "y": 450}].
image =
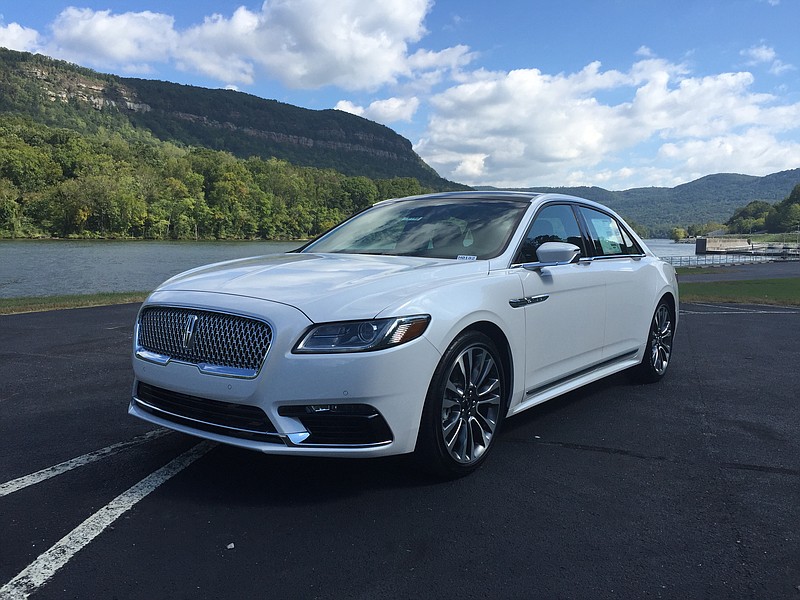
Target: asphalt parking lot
[{"x": 685, "y": 489}]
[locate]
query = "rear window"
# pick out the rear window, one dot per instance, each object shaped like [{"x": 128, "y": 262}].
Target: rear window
[{"x": 608, "y": 237}]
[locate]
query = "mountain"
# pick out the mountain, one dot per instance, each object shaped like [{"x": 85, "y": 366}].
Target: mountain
[
  {"x": 57, "y": 93},
  {"x": 62, "y": 94},
  {"x": 711, "y": 198}
]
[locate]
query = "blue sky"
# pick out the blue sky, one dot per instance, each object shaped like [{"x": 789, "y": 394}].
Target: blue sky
[{"x": 619, "y": 94}]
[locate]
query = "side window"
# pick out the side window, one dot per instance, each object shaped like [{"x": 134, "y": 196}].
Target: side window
[
  {"x": 608, "y": 238},
  {"x": 554, "y": 223}
]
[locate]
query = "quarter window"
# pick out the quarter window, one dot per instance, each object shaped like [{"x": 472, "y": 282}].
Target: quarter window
[
  {"x": 608, "y": 238},
  {"x": 554, "y": 223}
]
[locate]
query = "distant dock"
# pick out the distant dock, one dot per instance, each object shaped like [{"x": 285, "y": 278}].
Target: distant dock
[{"x": 745, "y": 247}]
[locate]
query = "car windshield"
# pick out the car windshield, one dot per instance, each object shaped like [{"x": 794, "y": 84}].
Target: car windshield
[{"x": 466, "y": 229}]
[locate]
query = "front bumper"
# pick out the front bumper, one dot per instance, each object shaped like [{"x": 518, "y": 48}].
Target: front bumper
[{"x": 354, "y": 404}]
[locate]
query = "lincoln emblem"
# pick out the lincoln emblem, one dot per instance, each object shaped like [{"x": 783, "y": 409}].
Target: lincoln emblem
[{"x": 188, "y": 333}]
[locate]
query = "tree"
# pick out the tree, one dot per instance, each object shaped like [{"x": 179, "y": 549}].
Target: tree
[
  {"x": 10, "y": 210},
  {"x": 749, "y": 218},
  {"x": 678, "y": 234},
  {"x": 361, "y": 192}
]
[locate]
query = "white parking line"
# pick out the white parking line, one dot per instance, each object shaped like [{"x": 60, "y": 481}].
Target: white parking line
[
  {"x": 43, "y": 568},
  {"x": 15, "y": 485},
  {"x": 736, "y": 310}
]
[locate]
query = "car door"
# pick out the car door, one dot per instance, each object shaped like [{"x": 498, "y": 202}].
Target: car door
[
  {"x": 565, "y": 305},
  {"x": 625, "y": 270}
]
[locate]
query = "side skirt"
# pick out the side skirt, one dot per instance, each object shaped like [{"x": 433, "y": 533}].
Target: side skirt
[{"x": 574, "y": 381}]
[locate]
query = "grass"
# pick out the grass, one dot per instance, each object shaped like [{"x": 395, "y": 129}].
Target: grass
[
  {"x": 9, "y": 306},
  {"x": 783, "y": 292}
]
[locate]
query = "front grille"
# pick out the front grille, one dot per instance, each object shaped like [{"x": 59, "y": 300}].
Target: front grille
[
  {"x": 205, "y": 338},
  {"x": 228, "y": 418}
]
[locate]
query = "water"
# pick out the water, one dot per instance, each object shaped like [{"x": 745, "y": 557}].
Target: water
[
  {"x": 56, "y": 267},
  {"x": 665, "y": 248}
]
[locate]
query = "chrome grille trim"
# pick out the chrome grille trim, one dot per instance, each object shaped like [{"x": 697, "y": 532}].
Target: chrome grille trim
[{"x": 216, "y": 343}]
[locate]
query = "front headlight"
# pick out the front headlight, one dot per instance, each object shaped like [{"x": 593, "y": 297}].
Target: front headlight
[{"x": 362, "y": 336}]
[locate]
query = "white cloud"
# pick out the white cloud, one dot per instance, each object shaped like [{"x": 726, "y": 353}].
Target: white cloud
[
  {"x": 349, "y": 107},
  {"x": 386, "y": 111},
  {"x": 766, "y": 55},
  {"x": 128, "y": 40},
  {"x": 759, "y": 54},
  {"x": 16, "y": 37},
  {"x": 524, "y": 127},
  {"x": 351, "y": 44},
  {"x": 755, "y": 150}
]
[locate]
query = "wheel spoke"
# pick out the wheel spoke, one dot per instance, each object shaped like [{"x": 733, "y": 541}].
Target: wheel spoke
[
  {"x": 493, "y": 385},
  {"x": 448, "y": 405},
  {"x": 469, "y": 446},
  {"x": 452, "y": 387},
  {"x": 486, "y": 427},
  {"x": 451, "y": 441}
]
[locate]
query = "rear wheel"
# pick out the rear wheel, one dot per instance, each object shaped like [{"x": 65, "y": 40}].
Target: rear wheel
[
  {"x": 659, "y": 344},
  {"x": 464, "y": 408}
]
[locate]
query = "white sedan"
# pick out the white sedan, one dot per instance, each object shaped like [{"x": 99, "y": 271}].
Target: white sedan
[{"x": 417, "y": 326}]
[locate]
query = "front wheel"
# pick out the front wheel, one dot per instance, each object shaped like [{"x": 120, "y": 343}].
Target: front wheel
[
  {"x": 464, "y": 408},
  {"x": 660, "y": 338}
]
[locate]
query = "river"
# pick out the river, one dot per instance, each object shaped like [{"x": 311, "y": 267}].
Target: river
[{"x": 57, "y": 267}]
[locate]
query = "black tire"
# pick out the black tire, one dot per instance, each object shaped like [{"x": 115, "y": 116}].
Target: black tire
[
  {"x": 464, "y": 408},
  {"x": 660, "y": 339}
]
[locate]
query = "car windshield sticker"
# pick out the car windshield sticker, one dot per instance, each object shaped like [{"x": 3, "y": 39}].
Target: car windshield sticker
[{"x": 466, "y": 257}]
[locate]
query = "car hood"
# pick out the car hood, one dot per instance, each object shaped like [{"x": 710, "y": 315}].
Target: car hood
[{"x": 327, "y": 287}]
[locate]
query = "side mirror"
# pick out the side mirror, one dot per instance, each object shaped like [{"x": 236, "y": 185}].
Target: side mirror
[{"x": 552, "y": 254}]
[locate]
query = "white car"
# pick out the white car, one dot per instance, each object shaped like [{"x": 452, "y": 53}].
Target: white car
[{"x": 417, "y": 326}]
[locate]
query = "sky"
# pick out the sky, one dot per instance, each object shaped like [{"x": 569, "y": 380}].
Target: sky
[{"x": 509, "y": 93}]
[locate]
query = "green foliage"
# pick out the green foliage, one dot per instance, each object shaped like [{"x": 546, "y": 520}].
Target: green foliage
[
  {"x": 749, "y": 218},
  {"x": 57, "y": 182},
  {"x": 762, "y": 216},
  {"x": 706, "y": 200},
  {"x": 678, "y": 233},
  {"x": 66, "y": 96}
]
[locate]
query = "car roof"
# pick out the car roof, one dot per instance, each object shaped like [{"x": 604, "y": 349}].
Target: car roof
[
  {"x": 526, "y": 197},
  {"x": 519, "y": 196}
]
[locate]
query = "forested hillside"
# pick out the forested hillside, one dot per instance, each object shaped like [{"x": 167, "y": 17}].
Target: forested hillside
[
  {"x": 709, "y": 199},
  {"x": 58, "y": 182},
  {"x": 60, "y": 94},
  {"x": 88, "y": 154}
]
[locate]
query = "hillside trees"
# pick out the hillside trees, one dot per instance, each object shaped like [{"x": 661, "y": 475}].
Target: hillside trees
[
  {"x": 763, "y": 216},
  {"x": 785, "y": 215},
  {"x": 61, "y": 183},
  {"x": 749, "y": 218}
]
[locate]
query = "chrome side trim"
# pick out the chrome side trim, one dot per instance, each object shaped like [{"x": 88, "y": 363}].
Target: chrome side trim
[
  {"x": 520, "y": 302},
  {"x": 581, "y": 373}
]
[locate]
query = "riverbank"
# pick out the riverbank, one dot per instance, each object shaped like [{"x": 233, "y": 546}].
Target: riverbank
[
  {"x": 769, "y": 283},
  {"x": 13, "y": 306}
]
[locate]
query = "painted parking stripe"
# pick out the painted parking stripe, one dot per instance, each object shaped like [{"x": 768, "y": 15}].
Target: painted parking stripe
[
  {"x": 43, "y": 568},
  {"x": 727, "y": 309},
  {"x": 20, "y": 483}
]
